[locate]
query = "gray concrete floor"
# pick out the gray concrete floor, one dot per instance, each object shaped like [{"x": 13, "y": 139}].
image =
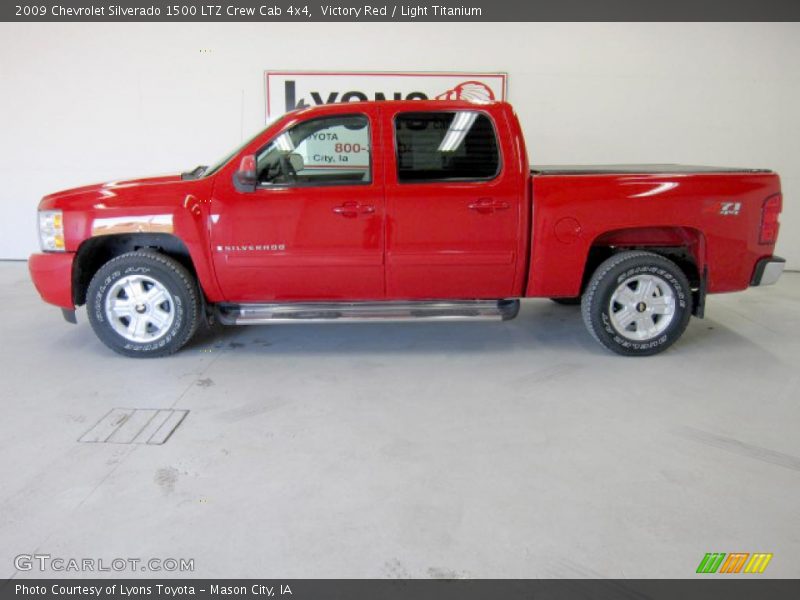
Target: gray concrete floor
[{"x": 520, "y": 449}]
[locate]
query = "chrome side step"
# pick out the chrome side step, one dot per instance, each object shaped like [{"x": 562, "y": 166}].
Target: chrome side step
[{"x": 347, "y": 312}]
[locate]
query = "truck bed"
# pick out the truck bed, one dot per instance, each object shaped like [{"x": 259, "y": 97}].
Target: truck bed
[
  {"x": 714, "y": 211},
  {"x": 636, "y": 169}
]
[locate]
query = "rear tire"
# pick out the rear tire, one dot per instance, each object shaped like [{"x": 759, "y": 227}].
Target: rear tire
[
  {"x": 143, "y": 304},
  {"x": 637, "y": 303}
]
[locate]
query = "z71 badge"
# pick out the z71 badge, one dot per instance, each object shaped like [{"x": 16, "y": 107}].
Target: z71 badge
[{"x": 730, "y": 208}]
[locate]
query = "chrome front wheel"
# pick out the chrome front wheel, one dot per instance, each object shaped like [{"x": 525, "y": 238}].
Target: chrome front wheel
[
  {"x": 140, "y": 308},
  {"x": 143, "y": 304}
]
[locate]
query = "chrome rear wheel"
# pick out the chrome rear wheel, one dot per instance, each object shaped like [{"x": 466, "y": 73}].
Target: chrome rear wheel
[
  {"x": 637, "y": 303},
  {"x": 642, "y": 307}
]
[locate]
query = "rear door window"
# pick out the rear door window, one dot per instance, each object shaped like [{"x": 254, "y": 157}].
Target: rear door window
[{"x": 445, "y": 146}]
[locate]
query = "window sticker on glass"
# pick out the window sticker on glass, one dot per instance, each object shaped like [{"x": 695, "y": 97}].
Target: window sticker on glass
[{"x": 338, "y": 146}]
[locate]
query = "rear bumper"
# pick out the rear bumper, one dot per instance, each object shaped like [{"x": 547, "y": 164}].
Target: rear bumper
[
  {"x": 51, "y": 273},
  {"x": 768, "y": 270}
]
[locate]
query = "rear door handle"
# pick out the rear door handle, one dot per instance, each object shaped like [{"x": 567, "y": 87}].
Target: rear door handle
[{"x": 488, "y": 205}]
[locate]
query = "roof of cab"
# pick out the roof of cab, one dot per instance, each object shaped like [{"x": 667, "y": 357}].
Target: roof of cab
[{"x": 413, "y": 104}]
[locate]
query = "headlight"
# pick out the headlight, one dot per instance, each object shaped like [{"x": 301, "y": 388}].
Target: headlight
[{"x": 51, "y": 230}]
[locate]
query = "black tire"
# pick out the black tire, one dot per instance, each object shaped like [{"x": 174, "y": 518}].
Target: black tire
[
  {"x": 610, "y": 277},
  {"x": 576, "y": 301},
  {"x": 183, "y": 304}
]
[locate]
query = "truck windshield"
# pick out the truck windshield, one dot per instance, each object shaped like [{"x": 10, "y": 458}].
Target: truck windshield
[{"x": 222, "y": 162}]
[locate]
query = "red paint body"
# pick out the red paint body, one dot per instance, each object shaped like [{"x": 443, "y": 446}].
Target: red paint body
[{"x": 518, "y": 235}]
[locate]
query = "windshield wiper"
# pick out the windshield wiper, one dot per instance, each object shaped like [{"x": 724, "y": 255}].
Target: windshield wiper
[{"x": 195, "y": 173}]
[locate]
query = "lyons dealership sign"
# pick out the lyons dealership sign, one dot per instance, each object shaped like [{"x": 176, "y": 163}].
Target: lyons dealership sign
[{"x": 286, "y": 91}]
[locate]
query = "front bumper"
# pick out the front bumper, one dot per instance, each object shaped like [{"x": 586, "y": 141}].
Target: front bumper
[
  {"x": 51, "y": 273},
  {"x": 768, "y": 270}
]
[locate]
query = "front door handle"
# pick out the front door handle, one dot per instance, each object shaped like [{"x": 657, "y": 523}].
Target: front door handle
[
  {"x": 488, "y": 205},
  {"x": 351, "y": 210}
]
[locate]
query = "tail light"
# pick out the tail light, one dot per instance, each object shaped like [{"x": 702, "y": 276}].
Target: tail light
[{"x": 769, "y": 219}]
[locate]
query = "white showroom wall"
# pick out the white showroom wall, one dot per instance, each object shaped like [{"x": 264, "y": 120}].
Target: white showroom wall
[{"x": 82, "y": 103}]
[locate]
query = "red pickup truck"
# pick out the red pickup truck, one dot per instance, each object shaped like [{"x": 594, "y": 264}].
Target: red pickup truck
[{"x": 422, "y": 210}]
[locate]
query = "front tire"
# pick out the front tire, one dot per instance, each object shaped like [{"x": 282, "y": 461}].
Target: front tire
[
  {"x": 637, "y": 303},
  {"x": 143, "y": 304}
]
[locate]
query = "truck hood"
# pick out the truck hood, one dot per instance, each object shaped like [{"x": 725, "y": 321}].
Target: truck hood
[
  {"x": 110, "y": 188},
  {"x": 111, "y": 193}
]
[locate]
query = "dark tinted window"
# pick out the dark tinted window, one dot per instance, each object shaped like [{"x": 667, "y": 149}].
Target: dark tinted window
[{"x": 440, "y": 146}]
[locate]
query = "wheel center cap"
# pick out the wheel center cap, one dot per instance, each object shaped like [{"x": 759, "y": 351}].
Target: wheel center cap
[
  {"x": 140, "y": 308},
  {"x": 641, "y": 307}
]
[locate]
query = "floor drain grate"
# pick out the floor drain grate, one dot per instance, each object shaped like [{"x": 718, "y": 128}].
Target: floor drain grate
[{"x": 135, "y": 426}]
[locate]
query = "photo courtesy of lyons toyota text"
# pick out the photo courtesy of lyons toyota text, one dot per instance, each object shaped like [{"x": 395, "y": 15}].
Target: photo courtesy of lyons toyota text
[{"x": 400, "y": 301}]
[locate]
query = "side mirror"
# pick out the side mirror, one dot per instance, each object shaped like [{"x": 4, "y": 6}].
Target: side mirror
[
  {"x": 245, "y": 178},
  {"x": 296, "y": 161}
]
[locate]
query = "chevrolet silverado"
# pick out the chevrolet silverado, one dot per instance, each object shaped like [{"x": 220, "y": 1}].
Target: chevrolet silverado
[{"x": 395, "y": 210}]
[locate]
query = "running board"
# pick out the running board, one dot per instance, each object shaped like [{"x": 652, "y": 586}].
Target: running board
[{"x": 347, "y": 312}]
